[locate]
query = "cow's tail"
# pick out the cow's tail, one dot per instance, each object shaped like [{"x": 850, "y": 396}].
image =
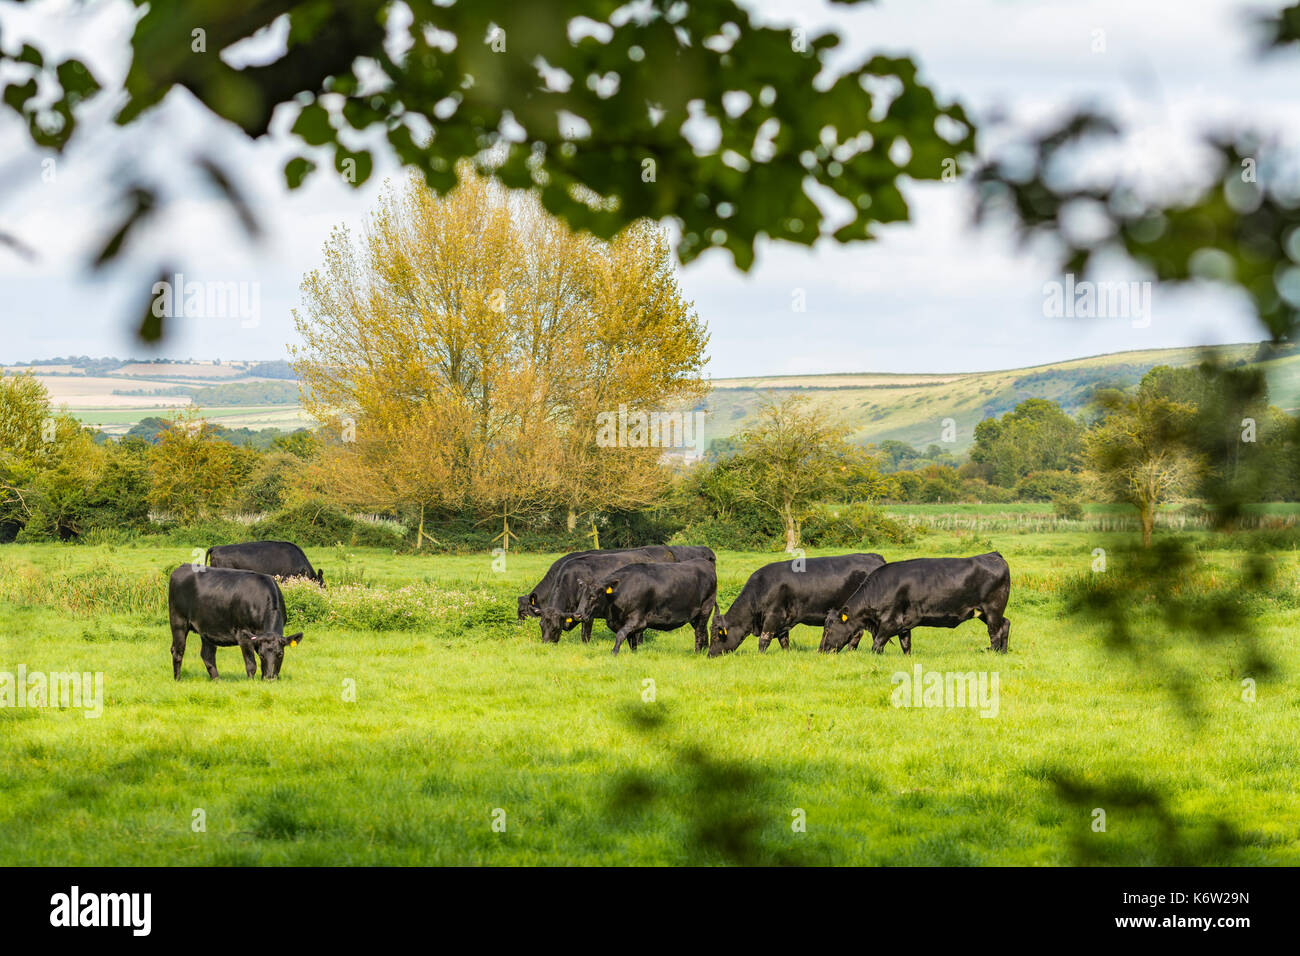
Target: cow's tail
[{"x": 207, "y": 556}]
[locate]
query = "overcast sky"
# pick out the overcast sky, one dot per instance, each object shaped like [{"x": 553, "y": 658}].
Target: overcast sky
[{"x": 932, "y": 295}]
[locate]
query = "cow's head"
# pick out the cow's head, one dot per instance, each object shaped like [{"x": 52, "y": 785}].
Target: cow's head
[
  {"x": 726, "y": 636},
  {"x": 593, "y": 598},
  {"x": 554, "y": 621},
  {"x": 841, "y": 626},
  {"x": 270, "y": 649},
  {"x": 528, "y": 606}
]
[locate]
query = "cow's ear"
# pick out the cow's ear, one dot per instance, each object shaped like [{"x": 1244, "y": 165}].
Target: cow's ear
[
  {"x": 610, "y": 585},
  {"x": 292, "y": 640},
  {"x": 532, "y": 599},
  {"x": 844, "y": 614}
]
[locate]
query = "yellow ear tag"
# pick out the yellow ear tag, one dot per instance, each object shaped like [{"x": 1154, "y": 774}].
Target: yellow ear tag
[
  {"x": 844, "y": 618},
  {"x": 609, "y": 590},
  {"x": 293, "y": 643},
  {"x": 724, "y": 632},
  {"x": 568, "y": 620}
]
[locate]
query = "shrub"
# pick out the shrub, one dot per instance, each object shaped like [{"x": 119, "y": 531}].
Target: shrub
[
  {"x": 1067, "y": 508},
  {"x": 1048, "y": 485},
  {"x": 411, "y": 607},
  {"x": 316, "y": 524},
  {"x": 854, "y": 526}
]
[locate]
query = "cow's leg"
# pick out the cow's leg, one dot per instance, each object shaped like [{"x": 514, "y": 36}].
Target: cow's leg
[
  {"x": 634, "y": 639},
  {"x": 879, "y": 638},
  {"x": 250, "y": 659},
  {"x": 905, "y": 641},
  {"x": 209, "y": 655},
  {"x": 180, "y": 631},
  {"x": 999, "y": 631},
  {"x": 854, "y": 641},
  {"x": 586, "y": 630},
  {"x": 764, "y": 639},
  {"x": 622, "y": 635},
  {"x": 701, "y": 626},
  {"x": 784, "y": 638}
]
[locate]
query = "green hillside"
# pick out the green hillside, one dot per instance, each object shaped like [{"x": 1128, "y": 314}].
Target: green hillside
[{"x": 912, "y": 408}]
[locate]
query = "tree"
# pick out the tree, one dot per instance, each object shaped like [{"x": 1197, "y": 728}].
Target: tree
[
  {"x": 795, "y": 458},
  {"x": 1037, "y": 435},
  {"x": 1138, "y": 452},
  {"x": 47, "y": 462},
  {"x": 468, "y": 347},
  {"x": 191, "y": 470}
]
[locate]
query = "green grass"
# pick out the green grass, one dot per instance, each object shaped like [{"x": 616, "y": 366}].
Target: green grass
[{"x": 459, "y": 712}]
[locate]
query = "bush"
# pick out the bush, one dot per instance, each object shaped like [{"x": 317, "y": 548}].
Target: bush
[
  {"x": 1067, "y": 508},
  {"x": 726, "y": 535},
  {"x": 854, "y": 526},
  {"x": 315, "y": 524},
  {"x": 411, "y": 607},
  {"x": 1048, "y": 486}
]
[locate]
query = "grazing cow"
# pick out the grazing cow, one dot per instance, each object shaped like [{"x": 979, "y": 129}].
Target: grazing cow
[
  {"x": 559, "y": 611},
  {"x": 777, "y": 597},
  {"x": 531, "y": 604},
  {"x": 658, "y": 596},
  {"x": 923, "y": 592},
  {"x": 228, "y": 607},
  {"x": 280, "y": 559}
]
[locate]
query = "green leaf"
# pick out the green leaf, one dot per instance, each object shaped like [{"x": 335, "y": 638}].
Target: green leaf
[
  {"x": 313, "y": 125},
  {"x": 296, "y": 170}
]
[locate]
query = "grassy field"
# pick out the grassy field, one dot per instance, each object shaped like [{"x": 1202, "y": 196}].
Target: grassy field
[
  {"x": 117, "y": 421},
  {"x": 417, "y": 713}
]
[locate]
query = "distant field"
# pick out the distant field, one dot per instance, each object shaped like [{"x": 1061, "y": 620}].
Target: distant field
[{"x": 119, "y": 421}]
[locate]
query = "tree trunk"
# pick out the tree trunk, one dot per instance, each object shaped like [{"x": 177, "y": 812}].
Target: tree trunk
[
  {"x": 419, "y": 534},
  {"x": 1148, "y": 515},
  {"x": 791, "y": 527}
]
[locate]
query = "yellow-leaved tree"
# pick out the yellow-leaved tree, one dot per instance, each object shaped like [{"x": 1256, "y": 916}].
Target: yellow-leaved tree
[{"x": 465, "y": 348}]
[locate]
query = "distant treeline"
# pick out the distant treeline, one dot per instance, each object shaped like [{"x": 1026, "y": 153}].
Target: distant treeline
[
  {"x": 228, "y": 393},
  {"x": 278, "y": 369}
]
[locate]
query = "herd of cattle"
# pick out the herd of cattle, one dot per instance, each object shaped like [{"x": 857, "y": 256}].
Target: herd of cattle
[{"x": 233, "y": 599}]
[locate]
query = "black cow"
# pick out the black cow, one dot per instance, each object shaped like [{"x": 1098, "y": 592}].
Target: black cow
[
  {"x": 777, "y": 597},
  {"x": 658, "y": 596},
  {"x": 560, "y": 610},
  {"x": 280, "y": 559},
  {"x": 923, "y": 592},
  {"x": 693, "y": 552},
  {"x": 531, "y": 604},
  {"x": 228, "y": 607}
]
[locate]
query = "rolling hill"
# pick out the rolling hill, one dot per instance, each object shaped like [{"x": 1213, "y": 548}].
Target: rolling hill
[
  {"x": 908, "y": 407},
  {"x": 913, "y": 407}
]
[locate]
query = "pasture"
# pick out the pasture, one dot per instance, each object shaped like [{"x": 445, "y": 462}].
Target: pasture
[{"x": 420, "y": 723}]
